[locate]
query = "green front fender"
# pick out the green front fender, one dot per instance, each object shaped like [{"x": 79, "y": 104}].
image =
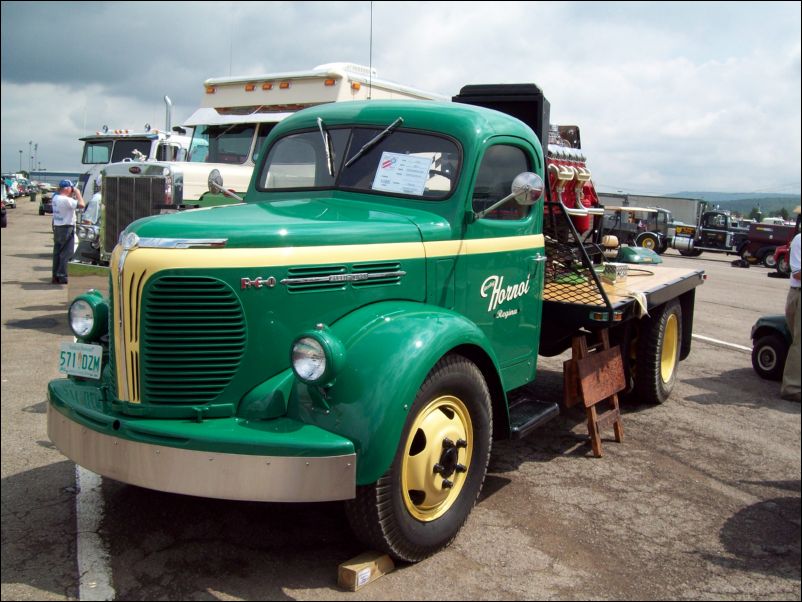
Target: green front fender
[{"x": 390, "y": 348}]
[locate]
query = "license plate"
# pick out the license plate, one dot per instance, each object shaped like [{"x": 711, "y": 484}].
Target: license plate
[{"x": 79, "y": 359}]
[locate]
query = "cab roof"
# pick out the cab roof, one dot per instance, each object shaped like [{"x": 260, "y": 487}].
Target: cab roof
[{"x": 464, "y": 122}]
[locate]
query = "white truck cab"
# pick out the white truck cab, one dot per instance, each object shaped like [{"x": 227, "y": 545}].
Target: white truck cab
[{"x": 113, "y": 146}]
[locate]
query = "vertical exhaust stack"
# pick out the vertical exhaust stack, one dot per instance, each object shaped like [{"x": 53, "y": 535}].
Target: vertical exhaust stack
[{"x": 168, "y": 117}]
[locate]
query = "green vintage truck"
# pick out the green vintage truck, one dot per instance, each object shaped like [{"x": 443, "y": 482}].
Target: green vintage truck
[{"x": 361, "y": 329}]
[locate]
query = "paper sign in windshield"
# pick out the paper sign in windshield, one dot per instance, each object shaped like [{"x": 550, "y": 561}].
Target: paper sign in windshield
[{"x": 404, "y": 174}]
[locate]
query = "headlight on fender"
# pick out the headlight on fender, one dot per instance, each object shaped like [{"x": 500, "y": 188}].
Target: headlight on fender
[
  {"x": 317, "y": 356},
  {"x": 89, "y": 316}
]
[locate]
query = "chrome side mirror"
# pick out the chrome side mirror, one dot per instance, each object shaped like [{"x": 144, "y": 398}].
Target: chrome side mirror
[{"x": 527, "y": 187}]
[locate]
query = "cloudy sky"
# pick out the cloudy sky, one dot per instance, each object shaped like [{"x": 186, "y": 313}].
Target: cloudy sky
[{"x": 669, "y": 96}]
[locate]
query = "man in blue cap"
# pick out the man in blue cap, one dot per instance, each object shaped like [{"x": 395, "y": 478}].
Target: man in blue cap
[{"x": 65, "y": 202}]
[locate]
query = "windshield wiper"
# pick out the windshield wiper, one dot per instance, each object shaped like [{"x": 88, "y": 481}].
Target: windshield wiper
[
  {"x": 374, "y": 141},
  {"x": 327, "y": 144}
]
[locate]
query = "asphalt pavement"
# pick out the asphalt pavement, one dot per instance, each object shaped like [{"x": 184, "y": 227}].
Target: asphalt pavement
[{"x": 700, "y": 501}]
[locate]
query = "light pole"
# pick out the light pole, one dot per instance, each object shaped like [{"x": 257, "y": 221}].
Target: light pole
[
  {"x": 20, "y": 160},
  {"x": 30, "y": 154}
]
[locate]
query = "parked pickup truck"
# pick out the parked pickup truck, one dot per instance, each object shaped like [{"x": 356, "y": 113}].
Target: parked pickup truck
[{"x": 360, "y": 329}]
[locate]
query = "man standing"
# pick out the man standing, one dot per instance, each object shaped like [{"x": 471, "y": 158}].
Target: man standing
[
  {"x": 65, "y": 202},
  {"x": 791, "y": 388}
]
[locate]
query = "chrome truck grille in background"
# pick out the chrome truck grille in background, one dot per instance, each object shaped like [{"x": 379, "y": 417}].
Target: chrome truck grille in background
[{"x": 126, "y": 199}]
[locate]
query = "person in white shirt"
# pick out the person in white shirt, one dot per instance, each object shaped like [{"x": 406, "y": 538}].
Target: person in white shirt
[
  {"x": 65, "y": 202},
  {"x": 791, "y": 387}
]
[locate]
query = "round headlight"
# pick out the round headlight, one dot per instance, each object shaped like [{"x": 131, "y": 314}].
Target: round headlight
[
  {"x": 88, "y": 316},
  {"x": 317, "y": 356},
  {"x": 308, "y": 359},
  {"x": 82, "y": 318}
]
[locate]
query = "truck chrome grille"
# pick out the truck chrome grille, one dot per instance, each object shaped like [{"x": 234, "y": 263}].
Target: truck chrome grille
[
  {"x": 192, "y": 340},
  {"x": 127, "y": 199}
]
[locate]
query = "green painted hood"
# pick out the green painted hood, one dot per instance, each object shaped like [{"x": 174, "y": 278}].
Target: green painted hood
[{"x": 296, "y": 222}]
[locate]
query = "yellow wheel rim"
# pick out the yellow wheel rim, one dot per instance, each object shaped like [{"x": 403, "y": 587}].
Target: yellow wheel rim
[
  {"x": 648, "y": 243},
  {"x": 668, "y": 356},
  {"x": 437, "y": 454}
]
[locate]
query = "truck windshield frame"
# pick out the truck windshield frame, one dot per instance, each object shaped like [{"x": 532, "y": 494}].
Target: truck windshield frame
[{"x": 410, "y": 163}]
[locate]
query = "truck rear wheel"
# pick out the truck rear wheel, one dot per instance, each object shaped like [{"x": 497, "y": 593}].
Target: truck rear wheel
[
  {"x": 768, "y": 356},
  {"x": 691, "y": 253},
  {"x": 767, "y": 257},
  {"x": 659, "y": 343},
  {"x": 419, "y": 505}
]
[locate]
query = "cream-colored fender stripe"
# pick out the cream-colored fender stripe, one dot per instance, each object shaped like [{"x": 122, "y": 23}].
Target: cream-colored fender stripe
[{"x": 155, "y": 260}]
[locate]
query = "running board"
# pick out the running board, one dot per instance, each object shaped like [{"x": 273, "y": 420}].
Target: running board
[{"x": 527, "y": 415}]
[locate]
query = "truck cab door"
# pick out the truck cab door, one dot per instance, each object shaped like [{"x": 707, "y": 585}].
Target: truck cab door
[{"x": 501, "y": 269}]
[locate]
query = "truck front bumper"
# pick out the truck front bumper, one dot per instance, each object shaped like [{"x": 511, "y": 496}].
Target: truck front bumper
[{"x": 272, "y": 461}]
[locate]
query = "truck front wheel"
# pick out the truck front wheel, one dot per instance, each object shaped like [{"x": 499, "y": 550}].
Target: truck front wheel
[
  {"x": 659, "y": 343},
  {"x": 419, "y": 505},
  {"x": 648, "y": 240}
]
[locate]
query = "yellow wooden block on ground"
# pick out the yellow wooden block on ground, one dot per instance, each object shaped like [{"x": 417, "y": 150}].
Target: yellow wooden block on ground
[{"x": 359, "y": 571}]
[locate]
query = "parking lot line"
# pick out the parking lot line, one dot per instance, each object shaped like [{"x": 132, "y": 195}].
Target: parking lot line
[
  {"x": 94, "y": 570},
  {"x": 712, "y": 341}
]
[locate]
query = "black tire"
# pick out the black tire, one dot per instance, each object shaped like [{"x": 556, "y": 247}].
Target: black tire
[
  {"x": 768, "y": 356},
  {"x": 783, "y": 267},
  {"x": 691, "y": 253},
  {"x": 648, "y": 240},
  {"x": 767, "y": 257},
  {"x": 411, "y": 524},
  {"x": 659, "y": 345}
]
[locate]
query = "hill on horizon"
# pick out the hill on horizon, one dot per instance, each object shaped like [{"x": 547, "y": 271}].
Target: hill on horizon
[
  {"x": 743, "y": 202},
  {"x": 718, "y": 197}
]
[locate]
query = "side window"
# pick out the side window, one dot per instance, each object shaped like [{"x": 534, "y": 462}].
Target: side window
[
  {"x": 498, "y": 169},
  {"x": 293, "y": 164}
]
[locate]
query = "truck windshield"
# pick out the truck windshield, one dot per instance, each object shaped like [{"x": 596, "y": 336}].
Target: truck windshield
[
  {"x": 405, "y": 163},
  {"x": 222, "y": 143},
  {"x": 114, "y": 151}
]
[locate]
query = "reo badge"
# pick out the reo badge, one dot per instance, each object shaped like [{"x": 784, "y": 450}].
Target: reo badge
[{"x": 257, "y": 282}]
